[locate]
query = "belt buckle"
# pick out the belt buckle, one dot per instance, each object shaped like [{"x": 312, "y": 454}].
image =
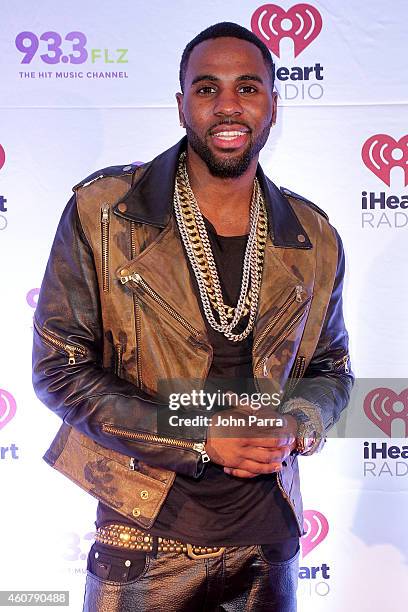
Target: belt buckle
[{"x": 207, "y": 555}]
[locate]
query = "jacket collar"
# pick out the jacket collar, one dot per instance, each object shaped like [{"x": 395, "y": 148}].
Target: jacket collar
[{"x": 150, "y": 200}]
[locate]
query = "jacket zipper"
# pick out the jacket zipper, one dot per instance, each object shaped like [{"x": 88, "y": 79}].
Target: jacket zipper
[
  {"x": 295, "y": 296},
  {"x": 298, "y": 370},
  {"x": 60, "y": 345},
  {"x": 280, "y": 484},
  {"x": 138, "y": 340},
  {"x": 281, "y": 337},
  {"x": 140, "y": 282},
  {"x": 343, "y": 363},
  {"x": 105, "y": 246},
  {"x": 286, "y": 496},
  {"x": 126, "y": 433},
  {"x": 132, "y": 239},
  {"x": 118, "y": 359},
  {"x": 299, "y": 367},
  {"x": 136, "y": 309}
]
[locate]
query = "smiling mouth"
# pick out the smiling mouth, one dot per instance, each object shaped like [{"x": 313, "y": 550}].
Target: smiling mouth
[
  {"x": 229, "y": 140},
  {"x": 229, "y": 134}
]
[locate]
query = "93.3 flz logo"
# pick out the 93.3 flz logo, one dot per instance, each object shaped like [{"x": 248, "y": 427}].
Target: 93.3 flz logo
[
  {"x": 386, "y": 158},
  {"x": 53, "y": 49},
  {"x": 302, "y": 24}
]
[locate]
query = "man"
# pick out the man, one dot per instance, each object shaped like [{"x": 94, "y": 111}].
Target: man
[{"x": 194, "y": 273}]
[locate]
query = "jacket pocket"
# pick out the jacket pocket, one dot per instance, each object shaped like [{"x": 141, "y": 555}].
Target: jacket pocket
[
  {"x": 171, "y": 353},
  {"x": 138, "y": 283},
  {"x": 280, "y": 336},
  {"x": 72, "y": 351},
  {"x": 121, "y": 432}
]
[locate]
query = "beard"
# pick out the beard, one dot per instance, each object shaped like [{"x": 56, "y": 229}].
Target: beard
[{"x": 231, "y": 167}]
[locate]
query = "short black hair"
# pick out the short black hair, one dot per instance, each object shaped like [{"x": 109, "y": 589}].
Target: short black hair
[{"x": 221, "y": 30}]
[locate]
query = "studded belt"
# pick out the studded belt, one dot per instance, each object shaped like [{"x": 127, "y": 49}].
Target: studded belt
[{"x": 132, "y": 538}]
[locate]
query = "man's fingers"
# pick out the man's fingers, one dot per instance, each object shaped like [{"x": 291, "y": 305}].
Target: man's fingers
[
  {"x": 239, "y": 473},
  {"x": 258, "y": 468},
  {"x": 272, "y": 442},
  {"x": 264, "y": 455}
]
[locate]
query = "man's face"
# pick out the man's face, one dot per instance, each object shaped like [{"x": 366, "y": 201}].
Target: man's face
[{"x": 228, "y": 106}]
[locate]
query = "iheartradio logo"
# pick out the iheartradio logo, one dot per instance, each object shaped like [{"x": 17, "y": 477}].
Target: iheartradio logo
[
  {"x": 2, "y": 157},
  {"x": 381, "y": 153},
  {"x": 302, "y": 23},
  {"x": 32, "y": 297},
  {"x": 383, "y": 406},
  {"x": 317, "y": 528},
  {"x": 8, "y": 407}
]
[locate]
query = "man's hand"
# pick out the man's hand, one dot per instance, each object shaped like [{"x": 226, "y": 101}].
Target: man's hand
[{"x": 248, "y": 451}]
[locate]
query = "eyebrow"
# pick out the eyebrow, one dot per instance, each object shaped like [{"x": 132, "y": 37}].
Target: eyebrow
[{"x": 211, "y": 77}]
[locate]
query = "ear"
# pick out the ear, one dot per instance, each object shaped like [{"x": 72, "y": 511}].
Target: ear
[
  {"x": 180, "y": 98},
  {"x": 274, "y": 107}
]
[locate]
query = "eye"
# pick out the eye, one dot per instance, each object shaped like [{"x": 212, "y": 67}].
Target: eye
[
  {"x": 206, "y": 90},
  {"x": 248, "y": 89}
]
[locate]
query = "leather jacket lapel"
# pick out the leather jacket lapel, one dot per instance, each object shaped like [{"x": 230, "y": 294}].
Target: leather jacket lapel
[{"x": 150, "y": 200}]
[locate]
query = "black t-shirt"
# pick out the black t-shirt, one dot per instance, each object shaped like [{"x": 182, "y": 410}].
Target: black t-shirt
[{"x": 217, "y": 509}]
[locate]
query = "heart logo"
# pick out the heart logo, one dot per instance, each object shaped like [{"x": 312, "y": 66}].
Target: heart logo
[
  {"x": 381, "y": 153},
  {"x": 8, "y": 407},
  {"x": 32, "y": 297},
  {"x": 302, "y": 23},
  {"x": 317, "y": 528},
  {"x": 383, "y": 406},
  {"x": 2, "y": 157}
]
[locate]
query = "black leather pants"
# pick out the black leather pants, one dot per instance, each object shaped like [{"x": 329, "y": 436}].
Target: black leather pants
[{"x": 241, "y": 579}]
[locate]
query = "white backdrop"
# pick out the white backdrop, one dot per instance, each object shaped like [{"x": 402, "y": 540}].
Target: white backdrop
[{"x": 118, "y": 106}]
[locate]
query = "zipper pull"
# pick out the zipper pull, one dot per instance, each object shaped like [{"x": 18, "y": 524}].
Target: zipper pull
[
  {"x": 134, "y": 277},
  {"x": 265, "y": 369},
  {"x": 299, "y": 290},
  {"x": 71, "y": 356},
  {"x": 132, "y": 465},
  {"x": 343, "y": 362},
  {"x": 105, "y": 213},
  {"x": 200, "y": 447}
]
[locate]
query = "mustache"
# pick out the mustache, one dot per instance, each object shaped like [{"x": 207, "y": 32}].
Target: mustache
[{"x": 229, "y": 122}]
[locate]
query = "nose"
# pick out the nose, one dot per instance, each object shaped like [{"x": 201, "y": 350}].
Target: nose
[{"x": 227, "y": 103}]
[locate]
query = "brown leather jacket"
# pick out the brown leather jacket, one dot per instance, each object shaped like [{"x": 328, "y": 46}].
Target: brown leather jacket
[{"x": 103, "y": 342}]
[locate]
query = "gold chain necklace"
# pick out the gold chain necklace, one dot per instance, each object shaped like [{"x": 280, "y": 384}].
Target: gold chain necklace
[{"x": 195, "y": 238}]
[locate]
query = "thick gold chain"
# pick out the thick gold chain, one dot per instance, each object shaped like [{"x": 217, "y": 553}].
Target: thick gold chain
[{"x": 190, "y": 223}]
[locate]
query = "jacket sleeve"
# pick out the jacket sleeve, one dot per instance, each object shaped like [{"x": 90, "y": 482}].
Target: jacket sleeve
[
  {"x": 324, "y": 392},
  {"x": 68, "y": 374}
]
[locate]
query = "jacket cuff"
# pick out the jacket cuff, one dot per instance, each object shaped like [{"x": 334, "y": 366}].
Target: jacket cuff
[{"x": 309, "y": 417}]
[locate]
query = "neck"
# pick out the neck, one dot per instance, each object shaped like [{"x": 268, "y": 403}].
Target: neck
[{"x": 224, "y": 202}]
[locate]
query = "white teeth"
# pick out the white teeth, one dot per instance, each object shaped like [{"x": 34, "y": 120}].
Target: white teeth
[{"x": 228, "y": 135}]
